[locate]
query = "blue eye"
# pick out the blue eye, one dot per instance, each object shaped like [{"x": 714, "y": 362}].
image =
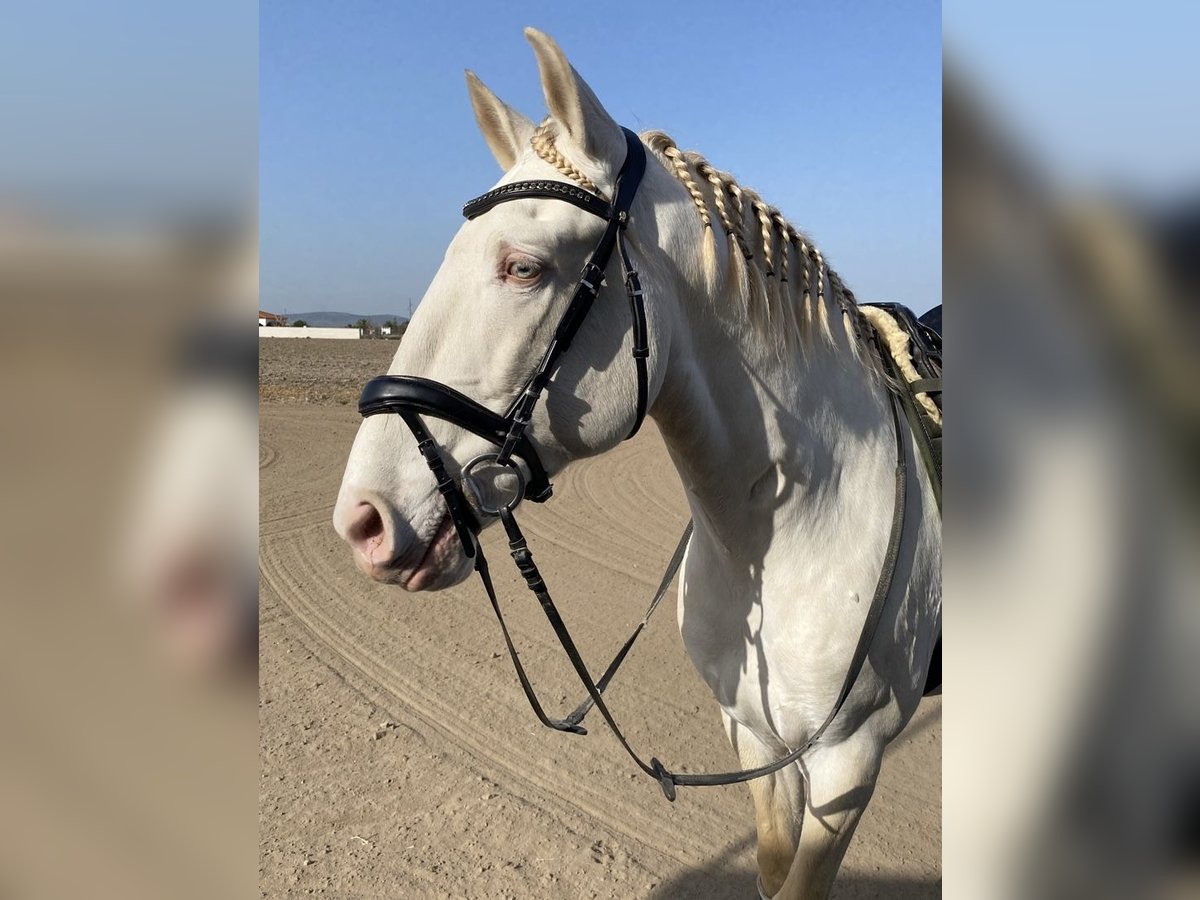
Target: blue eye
[{"x": 523, "y": 269}]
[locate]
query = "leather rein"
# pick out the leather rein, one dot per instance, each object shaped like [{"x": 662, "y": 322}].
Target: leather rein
[{"x": 412, "y": 397}]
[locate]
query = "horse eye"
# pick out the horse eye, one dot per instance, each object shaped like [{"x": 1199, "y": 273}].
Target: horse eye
[{"x": 523, "y": 269}]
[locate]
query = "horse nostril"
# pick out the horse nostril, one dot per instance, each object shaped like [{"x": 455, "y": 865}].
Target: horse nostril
[{"x": 365, "y": 529}]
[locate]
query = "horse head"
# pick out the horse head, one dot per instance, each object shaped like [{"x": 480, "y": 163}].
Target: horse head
[{"x": 491, "y": 311}]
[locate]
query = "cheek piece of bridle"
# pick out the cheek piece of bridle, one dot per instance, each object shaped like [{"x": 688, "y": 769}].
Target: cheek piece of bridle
[{"x": 412, "y": 397}]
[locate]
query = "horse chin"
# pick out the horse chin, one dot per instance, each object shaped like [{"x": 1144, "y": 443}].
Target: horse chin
[
  {"x": 443, "y": 565},
  {"x": 456, "y": 573}
]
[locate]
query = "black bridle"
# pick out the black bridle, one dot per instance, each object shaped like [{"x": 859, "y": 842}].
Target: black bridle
[{"x": 412, "y": 397}]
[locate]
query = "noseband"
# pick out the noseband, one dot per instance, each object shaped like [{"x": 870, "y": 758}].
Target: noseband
[{"x": 412, "y": 398}]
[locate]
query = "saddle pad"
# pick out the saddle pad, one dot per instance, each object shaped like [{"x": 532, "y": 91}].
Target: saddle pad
[
  {"x": 915, "y": 348},
  {"x": 915, "y": 351}
]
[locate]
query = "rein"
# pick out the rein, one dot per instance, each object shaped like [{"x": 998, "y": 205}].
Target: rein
[{"x": 412, "y": 397}]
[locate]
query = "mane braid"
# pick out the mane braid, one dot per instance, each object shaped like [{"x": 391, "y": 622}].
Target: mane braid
[
  {"x": 765, "y": 240},
  {"x": 785, "y": 240},
  {"x": 761, "y": 242}
]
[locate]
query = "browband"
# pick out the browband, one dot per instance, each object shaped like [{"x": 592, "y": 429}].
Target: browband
[{"x": 546, "y": 190}]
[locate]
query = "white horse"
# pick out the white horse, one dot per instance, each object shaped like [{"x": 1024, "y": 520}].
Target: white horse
[{"x": 774, "y": 415}]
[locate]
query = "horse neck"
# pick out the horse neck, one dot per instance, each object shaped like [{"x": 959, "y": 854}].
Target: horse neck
[{"x": 769, "y": 442}]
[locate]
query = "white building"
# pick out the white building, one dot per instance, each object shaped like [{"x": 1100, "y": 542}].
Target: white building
[{"x": 338, "y": 334}]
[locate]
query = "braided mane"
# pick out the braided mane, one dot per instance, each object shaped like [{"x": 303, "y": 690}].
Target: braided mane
[{"x": 772, "y": 264}]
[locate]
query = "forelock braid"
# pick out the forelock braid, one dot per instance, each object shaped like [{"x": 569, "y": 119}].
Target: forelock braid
[{"x": 543, "y": 145}]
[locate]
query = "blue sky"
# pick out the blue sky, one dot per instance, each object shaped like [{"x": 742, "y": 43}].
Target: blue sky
[
  {"x": 134, "y": 111},
  {"x": 369, "y": 147},
  {"x": 1098, "y": 93}
]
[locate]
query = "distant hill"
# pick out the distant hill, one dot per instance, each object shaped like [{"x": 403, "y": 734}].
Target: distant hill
[{"x": 341, "y": 319}]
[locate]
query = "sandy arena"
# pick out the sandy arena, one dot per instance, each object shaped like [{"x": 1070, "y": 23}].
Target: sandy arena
[{"x": 398, "y": 755}]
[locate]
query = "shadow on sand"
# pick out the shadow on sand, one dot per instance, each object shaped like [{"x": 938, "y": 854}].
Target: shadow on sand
[
  {"x": 726, "y": 885},
  {"x": 723, "y": 880}
]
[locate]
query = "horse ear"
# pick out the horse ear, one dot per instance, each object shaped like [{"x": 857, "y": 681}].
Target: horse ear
[
  {"x": 506, "y": 131},
  {"x": 573, "y": 104}
]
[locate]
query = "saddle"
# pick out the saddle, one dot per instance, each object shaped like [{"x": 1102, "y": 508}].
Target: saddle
[{"x": 917, "y": 395}]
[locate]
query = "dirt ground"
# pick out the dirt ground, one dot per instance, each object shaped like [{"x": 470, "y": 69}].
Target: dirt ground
[
  {"x": 312, "y": 370},
  {"x": 398, "y": 755}
]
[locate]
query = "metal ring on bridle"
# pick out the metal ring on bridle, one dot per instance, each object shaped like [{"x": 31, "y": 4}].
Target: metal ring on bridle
[{"x": 513, "y": 466}]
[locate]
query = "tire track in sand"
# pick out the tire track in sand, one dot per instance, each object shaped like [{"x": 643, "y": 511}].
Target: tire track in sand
[
  {"x": 492, "y": 748},
  {"x": 267, "y": 454}
]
